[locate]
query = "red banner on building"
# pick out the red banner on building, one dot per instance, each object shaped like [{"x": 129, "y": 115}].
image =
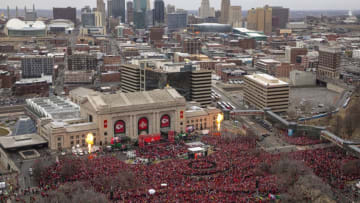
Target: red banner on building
[
  {"x": 105, "y": 124},
  {"x": 119, "y": 127},
  {"x": 143, "y": 124},
  {"x": 181, "y": 114},
  {"x": 165, "y": 121}
]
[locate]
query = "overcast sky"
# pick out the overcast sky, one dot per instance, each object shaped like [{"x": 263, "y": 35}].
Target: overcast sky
[{"x": 194, "y": 4}]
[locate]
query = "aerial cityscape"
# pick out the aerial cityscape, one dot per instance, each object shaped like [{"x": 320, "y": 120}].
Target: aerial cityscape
[{"x": 161, "y": 101}]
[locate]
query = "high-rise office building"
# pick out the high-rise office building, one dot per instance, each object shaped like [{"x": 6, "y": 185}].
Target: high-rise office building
[
  {"x": 265, "y": 91},
  {"x": 118, "y": 9},
  {"x": 100, "y": 7},
  {"x": 260, "y": 19},
  {"x": 35, "y": 66},
  {"x": 109, "y": 8},
  {"x": 130, "y": 12},
  {"x": 235, "y": 18},
  {"x": 205, "y": 10},
  {"x": 65, "y": 13},
  {"x": 194, "y": 85},
  {"x": 139, "y": 19},
  {"x": 329, "y": 63},
  {"x": 225, "y": 11},
  {"x": 141, "y": 5},
  {"x": 280, "y": 17},
  {"x": 177, "y": 20},
  {"x": 87, "y": 17},
  {"x": 159, "y": 12},
  {"x": 81, "y": 61}
]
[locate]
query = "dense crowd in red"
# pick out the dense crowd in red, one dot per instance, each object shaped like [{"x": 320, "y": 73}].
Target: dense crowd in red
[
  {"x": 327, "y": 164},
  {"x": 227, "y": 175},
  {"x": 302, "y": 140}
]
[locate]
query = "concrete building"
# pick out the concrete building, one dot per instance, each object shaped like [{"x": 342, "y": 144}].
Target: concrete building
[
  {"x": 260, "y": 19},
  {"x": 118, "y": 9},
  {"x": 141, "y": 5},
  {"x": 159, "y": 13},
  {"x": 225, "y": 11},
  {"x": 329, "y": 63},
  {"x": 65, "y": 13},
  {"x": 201, "y": 118},
  {"x": 291, "y": 54},
  {"x": 235, "y": 18},
  {"x": 36, "y": 66},
  {"x": 129, "y": 12},
  {"x": 81, "y": 61},
  {"x": 302, "y": 78},
  {"x": 177, "y": 20},
  {"x": 87, "y": 17},
  {"x": 267, "y": 65},
  {"x": 139, "y": 19},
  {"x": 191, "y": 45},
  {"x": 356, "y": 54},
  {"x": 265, "y": 91}
]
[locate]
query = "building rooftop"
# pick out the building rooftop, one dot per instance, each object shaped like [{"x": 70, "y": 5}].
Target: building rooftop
[
  {"x": 17, "y": 24},
  {"x": 19, "y": 141},
  {"x": 53, "y": 107},
  {"x": 266, "y": 80},
  {"x": 112, "y": 102}
]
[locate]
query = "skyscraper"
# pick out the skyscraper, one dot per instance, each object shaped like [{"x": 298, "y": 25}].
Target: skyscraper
[
  {"x": 118, "y": 9},
  {"x": 170, "y": 8},
  {"x": 100, "y": 7},
  {"x": 159, "y": 12},
  {"x": 235, "y": 18},
  {"x": 140, "y": 5},
  {"x": 225, "y": 11},
  {"x": 205, "y": 11},
  {"x": 280, "y": 17},
  {"x": 130, "y": 12},
  {"x": 260, "y": 19},
  {"x": 109, "y": 8}
]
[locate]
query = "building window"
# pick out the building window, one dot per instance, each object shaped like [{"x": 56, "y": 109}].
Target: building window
[
  {"x": 200, "y": 119},
  {"x": 77, "y": 141},
  {"x": 105, "y": 133},
  {"x": 83, "y": 141},
  {"x": 72, "y": 137},
  {"x": 82, "y": 136},
  {"x": 90, "y": 118},
  {"x": 77, "y": 136},
  {"x": 59, "y": 138},
  {"x": 187, "y": 122},
  {"x": 72, "y": 143},
  {"x": 59, "y": 144},
  {"x": 181, "y": 123},
  {"x": 94, "y": 134}
]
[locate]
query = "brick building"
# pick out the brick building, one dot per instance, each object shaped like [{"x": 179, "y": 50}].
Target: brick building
[
  {"x": 40, "y": 88},
  {"x": 192, "y": 45}
]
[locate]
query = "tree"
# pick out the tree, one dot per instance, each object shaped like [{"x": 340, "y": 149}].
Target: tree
[{"x": 74, "y": 192}]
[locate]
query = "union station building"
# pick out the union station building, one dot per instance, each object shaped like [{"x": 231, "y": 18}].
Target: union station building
[{"x": 108, "y": 115}]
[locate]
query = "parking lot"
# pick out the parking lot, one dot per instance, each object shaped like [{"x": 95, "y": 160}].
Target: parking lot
[{"x": 313, "y": 100}]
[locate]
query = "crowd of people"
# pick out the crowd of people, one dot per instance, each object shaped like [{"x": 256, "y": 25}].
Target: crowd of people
[
  {"x": 227, "y": 174},
  {"x": 302, "y": 140},
  {"x": 327, "y": 164}
]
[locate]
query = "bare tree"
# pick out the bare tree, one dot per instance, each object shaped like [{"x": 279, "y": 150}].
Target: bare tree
[{"x": 74, "y": 192}]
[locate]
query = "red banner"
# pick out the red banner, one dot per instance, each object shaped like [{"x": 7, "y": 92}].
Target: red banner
[
  {"x": 165, "y": 121},
  {"x": 119, "y": 127},
  {"x": 105, "y": 123},
  {"x": 143, "y": 124},
  {"x": 152, "y": 138},
  {"x": 181, "y": 114}
]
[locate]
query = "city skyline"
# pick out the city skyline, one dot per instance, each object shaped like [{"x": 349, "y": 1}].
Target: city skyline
[{"x": 191, "y": 5}]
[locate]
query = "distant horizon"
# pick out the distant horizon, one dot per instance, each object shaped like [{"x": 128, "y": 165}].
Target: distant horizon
[{"x": 303, "y": 5}]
